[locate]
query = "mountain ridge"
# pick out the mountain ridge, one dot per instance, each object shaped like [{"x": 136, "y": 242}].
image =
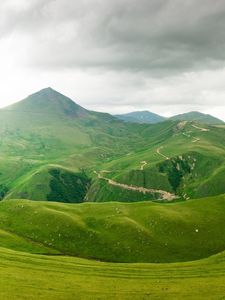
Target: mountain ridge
[
  {"x": 50, "y": 100},
  {"x": 199, "y": 117},
  {"x": 147, "y": 117},
  {"x": 141, "y": 117}
]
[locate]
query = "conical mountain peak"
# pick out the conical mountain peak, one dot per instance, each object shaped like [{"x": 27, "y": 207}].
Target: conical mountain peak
[{"x": 48, "y": 100}]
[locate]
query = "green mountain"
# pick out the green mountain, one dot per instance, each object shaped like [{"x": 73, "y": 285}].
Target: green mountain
[
  {"x": 184, "y": 159},
  {"x": 48, "y": 101},
  {"x": 59, "y": 151},
  {"x": 141, "y": 117},
  {"x": 198, "y": 117},
  {"x": 49, "y": 131}
]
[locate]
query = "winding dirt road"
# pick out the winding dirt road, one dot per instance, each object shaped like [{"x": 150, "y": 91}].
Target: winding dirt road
[
  {"x": 196, "y": 140},
  {"x": 158, "y": 151},
  {"x": 200, "y": 128},
  {"x": 163, "y": 194},
  {"x": 143, "y": 164}
]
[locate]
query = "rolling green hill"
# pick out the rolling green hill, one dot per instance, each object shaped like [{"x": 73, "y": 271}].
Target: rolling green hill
[
  {"x": 52, "y": 183},
  {"x": 198, "y": 117},
  {"x": 35, "y": 277},
  {"x": 117, "y": 232}
]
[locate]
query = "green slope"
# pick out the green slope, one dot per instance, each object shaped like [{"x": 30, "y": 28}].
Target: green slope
[
  {"x": 138, "y": 232},
  {"x": 184, "y": 158},
  {"x": 199, "y": 117},
  {"x": 52, "y": 183},
  {"x": 27, "y": 276}
]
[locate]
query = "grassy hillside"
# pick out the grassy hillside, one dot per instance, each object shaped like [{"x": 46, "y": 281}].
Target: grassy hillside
[
  {"x": 52, "y": 183},
  {"x": 138, "y": 232},
  {"x": 27, "y": 276},
  {"x": 199, "y": 117},
  {"x": 184, "y": 158}
]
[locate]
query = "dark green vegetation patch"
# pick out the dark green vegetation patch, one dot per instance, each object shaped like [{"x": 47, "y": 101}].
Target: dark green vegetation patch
[{"x": 66, "y": 186}]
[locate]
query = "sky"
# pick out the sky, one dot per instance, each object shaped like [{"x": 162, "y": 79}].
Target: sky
[{"x": 117, "y": 56}]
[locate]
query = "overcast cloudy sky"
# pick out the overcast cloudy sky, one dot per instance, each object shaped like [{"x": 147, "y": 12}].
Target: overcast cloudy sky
[{"x": 166, "y": 56}]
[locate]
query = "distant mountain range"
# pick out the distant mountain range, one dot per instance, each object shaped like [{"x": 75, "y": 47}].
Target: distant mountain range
[
  {"x": 141, "y": 117},
  {"x": 152, "y": 118}
]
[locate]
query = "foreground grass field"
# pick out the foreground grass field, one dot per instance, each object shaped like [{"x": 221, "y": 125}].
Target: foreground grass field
[{"x": 28, "y": 276}]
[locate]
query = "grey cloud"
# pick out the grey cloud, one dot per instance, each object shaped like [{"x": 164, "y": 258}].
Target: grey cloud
[{"x": 157, "y": 36}]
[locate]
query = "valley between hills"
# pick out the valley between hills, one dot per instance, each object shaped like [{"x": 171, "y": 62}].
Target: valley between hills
[{"x": 95, "y": 206}]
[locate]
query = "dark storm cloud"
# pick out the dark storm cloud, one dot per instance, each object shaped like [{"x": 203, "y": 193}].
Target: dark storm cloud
[{"x": 162, "y": 37}]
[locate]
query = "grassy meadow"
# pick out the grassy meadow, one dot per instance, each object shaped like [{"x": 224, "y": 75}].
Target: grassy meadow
[{"x": 28, "y": 276}]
